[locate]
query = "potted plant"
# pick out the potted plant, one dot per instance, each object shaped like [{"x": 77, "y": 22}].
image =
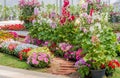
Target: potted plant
[{"x": 28, "y": 11}]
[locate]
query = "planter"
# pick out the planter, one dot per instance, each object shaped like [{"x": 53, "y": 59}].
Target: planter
[
  {"x": 98, "y": 73},
  {"x": 109, "y": 74}
]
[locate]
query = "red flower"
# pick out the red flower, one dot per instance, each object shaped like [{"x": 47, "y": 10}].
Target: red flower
[
  {"x": 62, "y": 20},
  {"x": 71, "y": 18},
  {"x": 66, "y": 3},
  {"x": 102, "y": 66},
  {"x": 113, "y": 64},
  {"x": 91, "y": 12}
]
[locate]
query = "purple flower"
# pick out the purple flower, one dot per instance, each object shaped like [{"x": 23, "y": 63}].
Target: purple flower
[
  {"x": 38, "y": 42},
  {"x": 118, "y": 38},
  {"x": 33, "y": 21},
  {"x": 36, "y": 11},
  {"x": 53, "y": 25},
  {"x": 53, "y": 14}
]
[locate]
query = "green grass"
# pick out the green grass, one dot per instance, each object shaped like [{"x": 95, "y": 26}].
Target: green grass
[{"x": 8, "y": 60}]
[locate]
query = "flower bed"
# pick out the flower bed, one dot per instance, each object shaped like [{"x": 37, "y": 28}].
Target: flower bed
[{"x": 21, "y": 50}]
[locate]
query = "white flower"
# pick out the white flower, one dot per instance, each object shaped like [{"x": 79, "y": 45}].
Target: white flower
[
  {"x": 92, "y": 28},
  {"x": 77, "y": 22},
  {"x": 98, "y": 25}
]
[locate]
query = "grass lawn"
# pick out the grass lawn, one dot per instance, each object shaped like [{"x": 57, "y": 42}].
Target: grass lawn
[{"x": 8, "y": 60}]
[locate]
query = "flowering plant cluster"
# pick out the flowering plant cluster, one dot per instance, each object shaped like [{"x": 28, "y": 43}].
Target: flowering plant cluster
[
  {"x": 13, "y": 27},
  {"x": 29, "y": 10},
  {"x": 39, "y": 60},
  {"x": 111, "y": 66},
  {"x": 24, "y": 53},
  {"x": 96, "y": 37}
]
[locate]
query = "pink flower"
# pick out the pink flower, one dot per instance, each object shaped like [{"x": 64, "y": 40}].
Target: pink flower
[
  {"x": 46, "y": 60},
  {"x": 94, "y": 39},
  {"x": 84, "y": 15},
  {"x": 35, "y": 62},
  {"x": 65, "y": 47},
  {"x": 14, "y": 34},
  {"x": 78, "y": 53},
  {"x": 89, "y": 1},
  {"x": 27, "y": 39},
  {"x": 85, "y": 6},
  {"x": 21, "y": 3},
  {"x": 34, "y": 55},
  {"x": 40, "y": 58},
  {"x": 89, "y": 19}
]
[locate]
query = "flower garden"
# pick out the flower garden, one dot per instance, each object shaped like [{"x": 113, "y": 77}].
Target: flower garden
[{"x": 85, "y": 39}]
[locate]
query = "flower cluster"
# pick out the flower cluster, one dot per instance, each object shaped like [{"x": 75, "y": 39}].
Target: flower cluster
[
  {"x": 65, "y": 47},
  {"x": 113, "y": 64},
  {"x": 13, "y": 27},
  {"x": 32, "y": 3},
  {"x": 39, "y": 59}
]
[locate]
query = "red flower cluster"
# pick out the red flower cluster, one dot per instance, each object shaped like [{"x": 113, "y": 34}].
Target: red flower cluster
[
  {"x": 13, "y": 27},
  {"x": 113, "y": 64},
  {"x": 65, "y": 13},
  {"x": 24, "y": 53}
]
